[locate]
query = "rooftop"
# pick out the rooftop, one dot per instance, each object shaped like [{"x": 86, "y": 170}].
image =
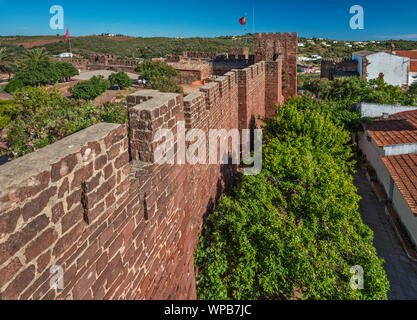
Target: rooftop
[
  {"x": 189, "y": 65},
  {"x": 403, "y": 170},
  {"x": 399, "y": 128},
  {"x": 364, "y": 53}
]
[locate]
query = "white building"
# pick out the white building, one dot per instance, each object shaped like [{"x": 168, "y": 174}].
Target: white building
[
  {"x": 316, "y": 56},
  {"x": 66, "y": 55},
  {"x": 300, "y": 44},
  {"x": 390, "y": 146},
  {"x": 313, "y": 57},
  {"x": 412, "y": 76},
  {"x": 394, "y": 68}
]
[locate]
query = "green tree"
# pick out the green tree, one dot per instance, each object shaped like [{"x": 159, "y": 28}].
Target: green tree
[
  {"x": 91, "y": 89},
  {"x": 66, "y": 70},
  {"x": 120, "y": 79},
  {"x": 8, "y": 61},
  {"x": 40, "y": 116},
  {"x": 159, "y": 76},
  {"x": 164, "y": 84},
  {"x": 292, "y": 231},
  {"x": 13, "y": 85},
  {"x": 156, "y": 69},
  {"x": 45, "y": 72},
  {"x": 36, "y": 55}
]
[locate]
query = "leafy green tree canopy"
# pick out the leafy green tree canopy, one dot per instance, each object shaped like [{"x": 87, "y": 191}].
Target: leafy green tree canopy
[
  {"x": 120, "y": 79},
  {"x": 90, "y": 89},
  {"x": 154, "y": 69},
  {"x": 292, "y": 231}
]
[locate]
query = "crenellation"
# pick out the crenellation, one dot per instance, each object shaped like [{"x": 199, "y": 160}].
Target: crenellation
[{"x": 98, "y": 203}]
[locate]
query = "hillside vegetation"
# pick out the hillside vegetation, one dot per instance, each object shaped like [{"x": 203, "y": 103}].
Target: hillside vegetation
[{"x": 160, "y": 46}]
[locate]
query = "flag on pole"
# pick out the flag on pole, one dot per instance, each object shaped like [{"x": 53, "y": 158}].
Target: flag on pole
[
  {"x": 66, "y": 36},
  {"x": 242, "y": 21}
]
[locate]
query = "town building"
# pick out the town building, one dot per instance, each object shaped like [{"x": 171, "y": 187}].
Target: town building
[
  {"x": 412, "y": 76},
  {"x": 390, "y": 146},
  {"x": 65, "y": 55},
  {"x": 394, "y": 68}
]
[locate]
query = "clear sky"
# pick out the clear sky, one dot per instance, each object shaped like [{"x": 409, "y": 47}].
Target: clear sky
[{"x": 183, "y": 18}]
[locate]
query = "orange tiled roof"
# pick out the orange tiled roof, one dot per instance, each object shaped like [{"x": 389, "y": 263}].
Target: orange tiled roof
[
  {"x": 412, "y": 55},
  {"x": 399, "y": 128},
  {"x": 403, "y": 170}
]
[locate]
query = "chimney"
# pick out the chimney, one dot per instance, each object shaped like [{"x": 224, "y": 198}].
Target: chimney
[{"x": 393, "y": 48}]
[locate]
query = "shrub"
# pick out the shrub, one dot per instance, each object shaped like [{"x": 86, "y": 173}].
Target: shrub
[
  {"x": 159, "y": 76},
  {"x": 356, "y": 90},
  {"x": 45, "y": 72},
  {"x": 412, "y": 89},
  {"x": 9, "y": 110},
  {"x": 91, "y": 89},
  {"x": 46, "y": 117},
  {"x": 13, "y": 86},
  {"x": 154, "y": 69},
  {"x": 164, "y": 84},
  {"x": 66, "y": 70},
  {"x": 120, "y": 79},
  {"x": 293, "y": 231}
]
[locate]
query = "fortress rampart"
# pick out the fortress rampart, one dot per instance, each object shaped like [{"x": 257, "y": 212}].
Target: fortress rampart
[{"x": 98, "y": 205}]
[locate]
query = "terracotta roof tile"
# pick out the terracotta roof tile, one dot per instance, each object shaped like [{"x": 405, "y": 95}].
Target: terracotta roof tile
[
  {"x": 410, "y": 54},
  {"x": 403, "y": 170},
  {"x": 399, "y": 128}
]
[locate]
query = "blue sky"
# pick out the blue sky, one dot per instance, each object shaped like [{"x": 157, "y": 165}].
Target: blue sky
[{"x": 321, "y": 18}]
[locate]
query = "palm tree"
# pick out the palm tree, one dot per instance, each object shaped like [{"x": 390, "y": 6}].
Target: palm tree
[
  {"x": 7, "y": 61},
  {"x": 36, "y": 55}
]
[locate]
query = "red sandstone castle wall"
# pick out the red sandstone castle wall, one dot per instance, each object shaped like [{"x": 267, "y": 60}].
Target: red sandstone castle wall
[
  {"x": 251, "y": 96},
  {"x": 119, "y": 228},
  {"x": 96, "y": 203},
  {"x": 273, "y": 87}
]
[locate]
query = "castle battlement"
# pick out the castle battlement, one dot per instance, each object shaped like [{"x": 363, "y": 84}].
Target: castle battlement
[{"x": 99, "y": 205}]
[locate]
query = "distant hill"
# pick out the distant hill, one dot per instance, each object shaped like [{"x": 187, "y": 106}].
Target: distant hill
[{"x": 129, "y": 47}]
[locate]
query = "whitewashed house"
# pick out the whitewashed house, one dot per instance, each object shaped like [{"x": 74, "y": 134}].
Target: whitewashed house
[
  {"x": 394, "y": 68},
  {"x": 412, "y": 76}
]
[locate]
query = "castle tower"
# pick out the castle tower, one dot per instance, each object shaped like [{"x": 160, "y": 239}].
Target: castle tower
[{"x": 279, "y": 51}]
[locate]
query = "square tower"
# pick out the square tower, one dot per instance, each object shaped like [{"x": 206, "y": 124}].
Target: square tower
[{"x": 280, "y": 48}]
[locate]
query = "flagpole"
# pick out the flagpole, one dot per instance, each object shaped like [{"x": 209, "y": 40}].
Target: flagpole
[
  {"x": 69, "y": 42},
  {"x": 246, "y": 29}
]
